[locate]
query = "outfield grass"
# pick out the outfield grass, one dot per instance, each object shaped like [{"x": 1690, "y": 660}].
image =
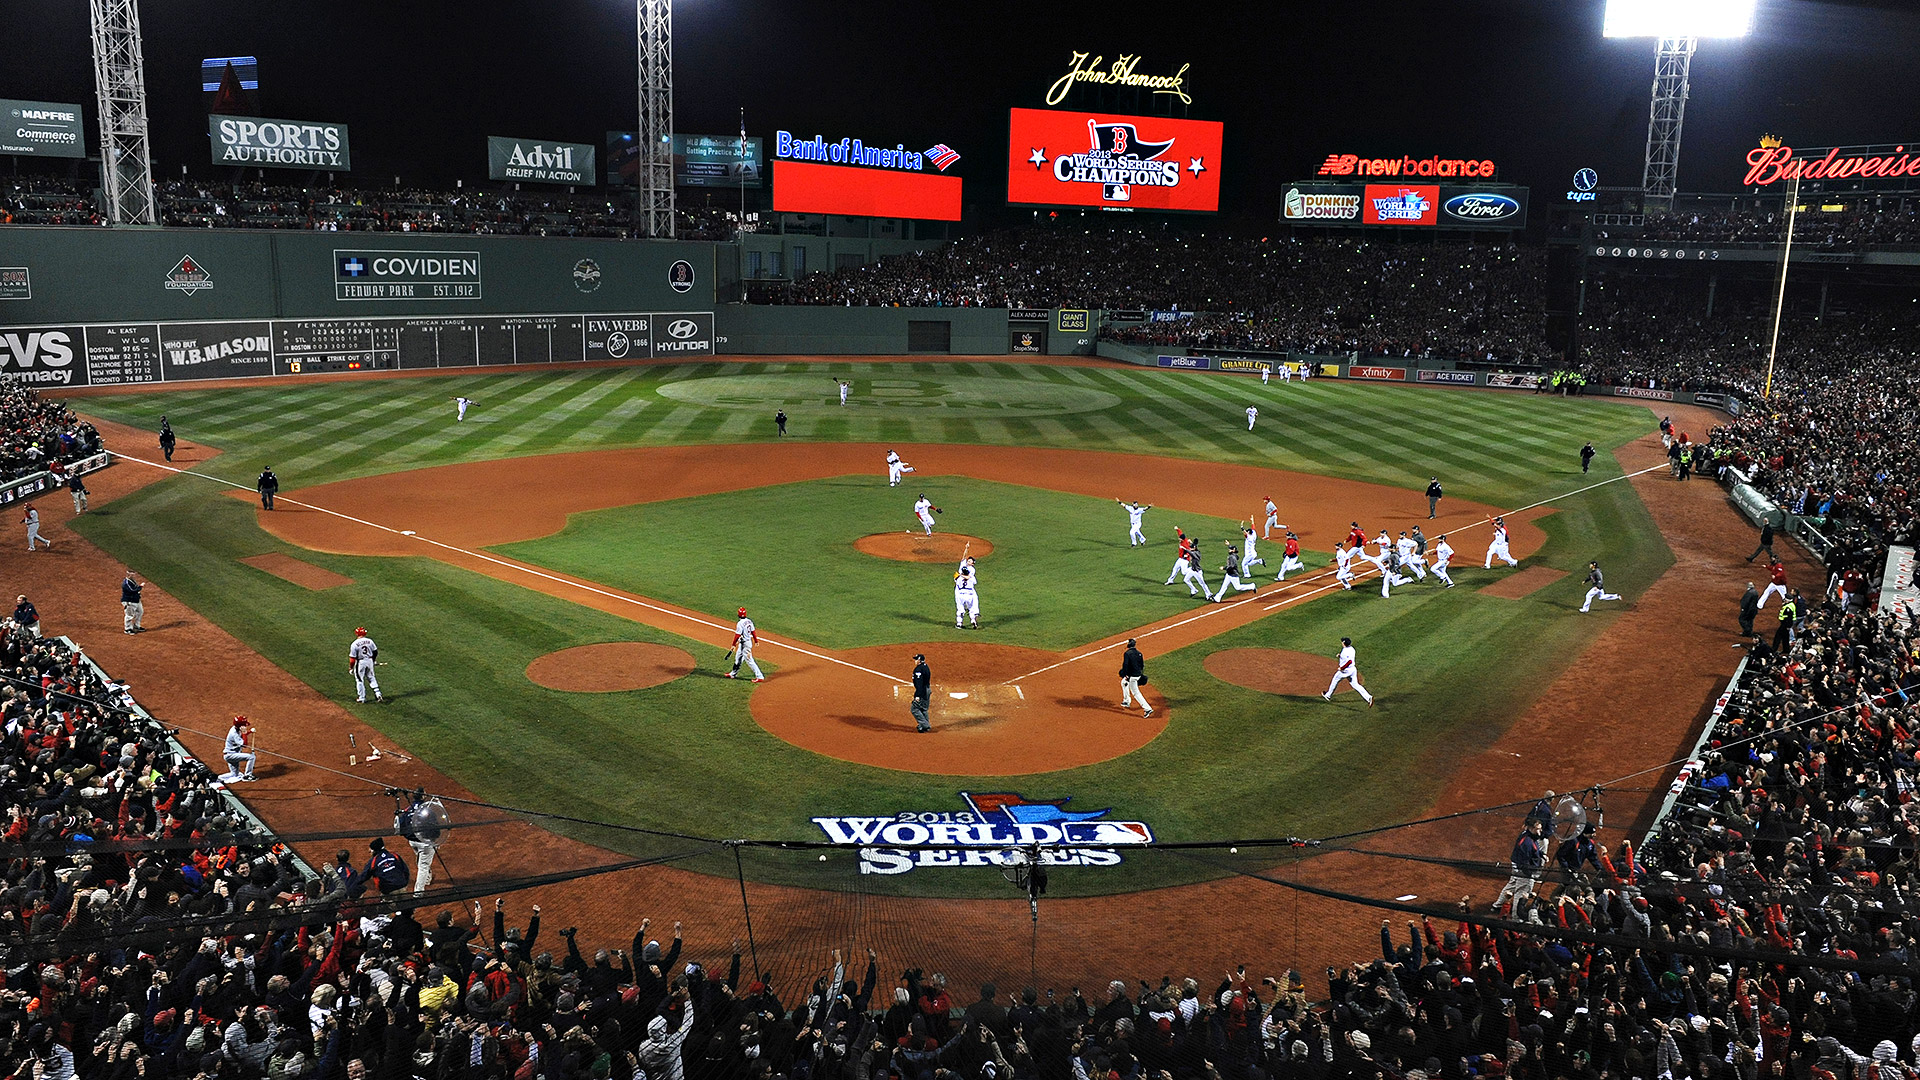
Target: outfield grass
[{"x": 1454, "y": 667}]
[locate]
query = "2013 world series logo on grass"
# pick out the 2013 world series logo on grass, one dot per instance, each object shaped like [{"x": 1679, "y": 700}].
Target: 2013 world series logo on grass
[{"x": 994, "y": 825}]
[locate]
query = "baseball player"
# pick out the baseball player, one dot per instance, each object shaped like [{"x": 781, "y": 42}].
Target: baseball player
[
  {"x": 1356, "y": 536},
  {"x": 460, "y": 407},
  {"x": 1180, "y": 556},
  {"x": 1777, "y": 570},
  {"x": 1190, "y": 571},
  {"x": 132, "y": 611},
  {"x": 1442, "y": 555},
  {"x": 1135, "y": 513},
  {"x": 895, "y": 469},
  {"x": 1273, "y": 519},
  {"x": 1498, "y": 548},
  {"x": 1286, "y": 373},
  {"x": 1231, "y": 575},
  {"x": 1347, "y": 671},
  {"x": 1403, "y": 548},
  {"x": 1252, "y": 412},
  {"x": 966, "y": 601},
  {"x": 743, "y": 642},
  {"x": 1598, "y": 589},
  {"x": 361, "y": 656},
  {"x": 1389, "y": 576},
  {"x": 1266, "y": 374},
  {"x": 924, "y": 509},
  {"x": 1343, "y": 564},
  {"x": 845, "y": 388},
  {"x": 1250, "y": 558},
  {"x": 77, "y": 488},
  {"x": 239, "y": 753},
  {"x": 32, "y": 520},
  {"x": 966, "y": 564},
  {"x": 1290, "y": 557}
]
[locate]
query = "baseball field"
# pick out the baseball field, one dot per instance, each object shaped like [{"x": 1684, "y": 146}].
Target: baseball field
[{"x": 644, "y": 505}]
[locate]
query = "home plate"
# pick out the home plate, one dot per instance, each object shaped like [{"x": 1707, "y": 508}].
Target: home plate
[{"x": 955, "y": 696}]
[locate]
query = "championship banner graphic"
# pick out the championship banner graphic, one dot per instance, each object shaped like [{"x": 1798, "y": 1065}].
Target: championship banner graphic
[
  {"x": 992, "y": 831},
  {"x": 1100, "y": 159}
]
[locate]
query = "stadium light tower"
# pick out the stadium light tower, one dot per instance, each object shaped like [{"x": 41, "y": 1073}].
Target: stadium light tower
[
  {"x": 655, "y": 134},
  {"x": 120, "y": 81},
  {"x": 1678, "y": 25}
]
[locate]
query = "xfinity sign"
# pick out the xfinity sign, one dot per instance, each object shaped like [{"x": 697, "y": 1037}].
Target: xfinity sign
[
  {"x": 379, "y": 274},
  {"x": 540, "y": 162}
]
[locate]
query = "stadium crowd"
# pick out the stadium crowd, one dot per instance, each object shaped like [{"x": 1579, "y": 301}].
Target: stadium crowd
[
  {"x": 36, "y": 434},
  {"x": 252, "y": 205},
  {"x": 1851, "y": 227}
]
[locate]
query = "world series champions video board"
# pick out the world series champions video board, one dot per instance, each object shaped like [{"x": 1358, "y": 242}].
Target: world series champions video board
[{"x": 1071, "y": 158}]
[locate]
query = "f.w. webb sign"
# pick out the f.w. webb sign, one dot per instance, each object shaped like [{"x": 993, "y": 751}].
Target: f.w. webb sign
[{"x": 279, "y": 144}]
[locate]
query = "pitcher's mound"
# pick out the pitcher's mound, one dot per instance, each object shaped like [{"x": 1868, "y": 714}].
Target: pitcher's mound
[
  {"x": 918, "y": 547},
  {"x": 1273, "y": 671},
  {"x": 609, "y": 667}
]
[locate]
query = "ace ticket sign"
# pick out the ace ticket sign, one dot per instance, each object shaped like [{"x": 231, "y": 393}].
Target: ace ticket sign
[{"x": 1057, "y": 158}]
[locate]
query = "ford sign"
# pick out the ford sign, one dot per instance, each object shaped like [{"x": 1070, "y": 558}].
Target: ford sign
[{"x": 1482, "y": 206}]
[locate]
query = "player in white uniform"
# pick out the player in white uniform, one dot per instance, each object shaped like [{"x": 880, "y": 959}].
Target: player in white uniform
[
  {"x": 1343, "y": 564},
  {"x": 1598, "y": 591},
  {"x": 1409, "y": 557},
  {"x": 1135, "y": 512},
  {"x": 1442, "y": 555},
  {"x": 1250, "y": 557},
  {"x": 1273, "y": 519},
  {"x": 1266, "y": 373},
  {"x": 1498, "y": 548},
  {"x": 1349, "y": 672},
  {"x": 361, "y": 657},
  {"x": 1252, "y": 412},
  {"x": 460, "y": 405},
  {"x": 1190, "y": 571},
  {"x": 32, "y": 520},
  {"x": 1384, "y": 563},
  {"x": 238, "y": 753},
  {"x": 744, "y": 638},
  {"x": 966, "y": 600},
  {"x": 1231, "y": 575},
  {"x": 1286, "y": 373},
  {"x": 924, "y": 509},
  {"x": 845, "y": 388},
  {"x": 895, "y": 469}
]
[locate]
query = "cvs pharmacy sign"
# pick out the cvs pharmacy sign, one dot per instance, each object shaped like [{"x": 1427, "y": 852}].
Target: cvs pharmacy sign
[{"x": 43, "y": 356}]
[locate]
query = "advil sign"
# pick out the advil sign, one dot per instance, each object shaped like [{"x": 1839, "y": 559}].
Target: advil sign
[{"x": 540, "y": 162}]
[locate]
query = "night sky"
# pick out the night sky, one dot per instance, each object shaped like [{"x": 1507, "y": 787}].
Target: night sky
[{"x": 1528, "y": 83}]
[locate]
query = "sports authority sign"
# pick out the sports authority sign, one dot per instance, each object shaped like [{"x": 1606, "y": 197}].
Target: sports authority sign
[
  {"x": 990, "y": 832},
  {"x": 279, "y": 144},
  {"x": 380, "y": 274},
  {"x": 540, "y": 162},
  {"x": 1119, "y": 162}
]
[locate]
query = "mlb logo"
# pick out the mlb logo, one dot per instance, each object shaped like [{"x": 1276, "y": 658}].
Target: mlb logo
[{"x": 1116, "y": 192}]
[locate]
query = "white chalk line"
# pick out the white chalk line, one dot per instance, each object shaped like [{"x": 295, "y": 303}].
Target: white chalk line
[
  {"x": 1372, "y": 570},
  {"x": 522, "y": 568}
]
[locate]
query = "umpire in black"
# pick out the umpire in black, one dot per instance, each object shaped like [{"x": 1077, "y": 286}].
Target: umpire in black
[{"x": 922, "y": 692}]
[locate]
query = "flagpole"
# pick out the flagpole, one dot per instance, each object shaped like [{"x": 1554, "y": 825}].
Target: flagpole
[
  {"x": 1780, "y": 298},
  {"x": 741, "y": 164}
]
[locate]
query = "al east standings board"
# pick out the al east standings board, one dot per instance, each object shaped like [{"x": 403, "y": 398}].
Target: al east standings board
[{"x": 1057, "y": 158}]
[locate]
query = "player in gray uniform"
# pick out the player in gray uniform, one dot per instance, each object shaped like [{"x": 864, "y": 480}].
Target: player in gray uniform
[
  {"x": 1191, "y": 573},
  {"x": 1403, "y": 550},
  {"x": 361, "y": 657},
  {"x": 744, "y": 638},
  {"x": 1231, "y": 578},
  {"x": 1598, "y": 590}
]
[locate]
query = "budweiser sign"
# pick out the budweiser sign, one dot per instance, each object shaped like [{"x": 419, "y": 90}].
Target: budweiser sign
[{"x": 1772, "y": 164}]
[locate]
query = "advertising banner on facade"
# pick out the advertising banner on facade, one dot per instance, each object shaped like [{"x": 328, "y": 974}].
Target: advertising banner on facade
[
  {"x": 717, "y": 161},
  {"x": 540, "y": 162},
  {"x": 1513, "y": 381},
  {"x": 280, "y": 144},
  {"x": 1898, "y": 594},
  {"x": 1187, "y": 363},
  {"x": 1456, "y": 378},
  {"x": 1123, "y": 162},
  {"x": 1370, "y": 371},
  {"x": 43, "y": 355},
  {"x": 1643, "y": 393},
  {"x": 222, "y": 350},
  {"x": 405, "y": 274},
  {"x": 1443, "y": 205},
  {"x": 41, "y": 129},
  {"x": 860, "y": 179}
]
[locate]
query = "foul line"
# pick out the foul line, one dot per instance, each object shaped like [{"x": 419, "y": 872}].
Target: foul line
[
  {"x": 518, "y": 568},
  {"x": 1324, "y": 573}
]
